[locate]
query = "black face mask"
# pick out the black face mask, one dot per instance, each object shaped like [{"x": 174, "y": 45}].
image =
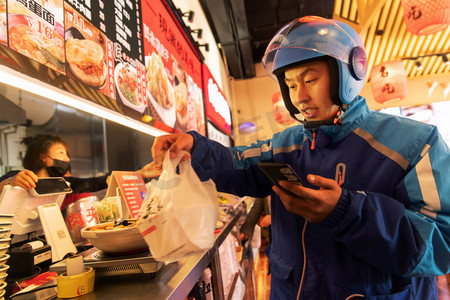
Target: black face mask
[{"x": 59, "y": 168}]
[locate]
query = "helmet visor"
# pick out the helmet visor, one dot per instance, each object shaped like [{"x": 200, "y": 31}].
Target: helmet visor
[{"x": 307, "y": 38}]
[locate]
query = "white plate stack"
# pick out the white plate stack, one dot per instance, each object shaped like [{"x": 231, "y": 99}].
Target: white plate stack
[{"x": 5, "y": 240}]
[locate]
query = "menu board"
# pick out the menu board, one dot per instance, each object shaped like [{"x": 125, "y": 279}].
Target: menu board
[
  {"x": 89, "y": 53},
  {"x": 3, "y": 28},
  {"x": 136, "y": 53},
  {"x": 173, "y": 71},
  {"x": 122, "y": 24},
  {"x": 217, "y": 108},
  {"x": 36, "y": 29}
]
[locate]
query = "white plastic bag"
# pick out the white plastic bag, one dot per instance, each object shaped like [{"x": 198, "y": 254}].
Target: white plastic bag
[{"x": 179, "y": 214}]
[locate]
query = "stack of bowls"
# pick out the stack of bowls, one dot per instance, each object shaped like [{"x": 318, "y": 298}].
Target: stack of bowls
[{"x": 5, "y": 240}]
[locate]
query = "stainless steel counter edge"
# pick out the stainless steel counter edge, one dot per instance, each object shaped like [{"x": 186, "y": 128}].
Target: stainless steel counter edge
[{"x": 174, "y": 281}]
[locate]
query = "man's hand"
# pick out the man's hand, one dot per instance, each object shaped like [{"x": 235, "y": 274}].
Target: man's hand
[
  {"x": 313, "y": 205},
  {"x": 174, "y": 143}
]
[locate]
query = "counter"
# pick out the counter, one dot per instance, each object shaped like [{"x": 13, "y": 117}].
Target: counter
[{"x": 172, "y": 281}]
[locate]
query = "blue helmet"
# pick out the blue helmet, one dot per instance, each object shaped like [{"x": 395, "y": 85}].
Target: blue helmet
[{"x": 315, "y": 38}]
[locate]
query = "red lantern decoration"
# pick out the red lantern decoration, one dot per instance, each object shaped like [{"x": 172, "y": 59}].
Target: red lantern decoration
[
  {"x": 282, "y": 115},
  {"x": 389, "y": 81},
  {"x": 426, "y": 16}
]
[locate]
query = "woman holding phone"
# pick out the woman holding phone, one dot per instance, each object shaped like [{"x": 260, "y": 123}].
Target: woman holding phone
[{"x": 49, "y": 156}]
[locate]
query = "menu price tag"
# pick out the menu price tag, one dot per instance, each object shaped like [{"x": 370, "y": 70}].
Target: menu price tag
[{"x": 131, "y": 189}]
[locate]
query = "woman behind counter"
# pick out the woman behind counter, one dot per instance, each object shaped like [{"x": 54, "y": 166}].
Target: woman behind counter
[{"x": 48, "y": 156}]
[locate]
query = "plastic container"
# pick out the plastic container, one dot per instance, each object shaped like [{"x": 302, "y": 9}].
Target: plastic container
[{"x": 78, "y": 215}]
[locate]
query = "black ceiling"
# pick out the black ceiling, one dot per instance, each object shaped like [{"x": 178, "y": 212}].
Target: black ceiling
[{"x": 244, "y": 28}]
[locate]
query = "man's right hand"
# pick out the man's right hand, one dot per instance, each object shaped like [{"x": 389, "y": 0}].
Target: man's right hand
[{"x": 174, "y": 143}]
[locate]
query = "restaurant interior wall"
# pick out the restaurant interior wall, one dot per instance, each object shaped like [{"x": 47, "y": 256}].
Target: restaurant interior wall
[{"x": 252, "y": 99}]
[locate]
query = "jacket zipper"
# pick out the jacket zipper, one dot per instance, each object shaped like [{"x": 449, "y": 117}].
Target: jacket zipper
[
  {"x": 313, "y": 142},
  {"x": 340, "y": 173},
  {"x": 304, "y": 260}
]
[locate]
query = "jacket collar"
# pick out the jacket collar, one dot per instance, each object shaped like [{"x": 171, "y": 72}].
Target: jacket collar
[{"x": 356, "y": 112}]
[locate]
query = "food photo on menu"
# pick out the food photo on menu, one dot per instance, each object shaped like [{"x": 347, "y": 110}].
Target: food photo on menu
[
  {"x": 181, "y": 96},
  {"x": 45, "y": 46},
  {"x": 125, "y": 76},
  {"x": 3, "y": 28},
  {"x": 160, "y": 92},
  {"x": 85, "y": 46},
  {"x": 85, "y": 59}
]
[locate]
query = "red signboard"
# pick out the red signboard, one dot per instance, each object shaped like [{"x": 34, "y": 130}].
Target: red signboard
[
  {"x": 217, "y": 108},
  {"x": 174, "y": 87}
]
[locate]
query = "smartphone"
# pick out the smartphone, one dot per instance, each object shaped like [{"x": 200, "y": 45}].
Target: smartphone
[
  {"x": 50, "y": 186},
  {"x": 279, "y": 171}
]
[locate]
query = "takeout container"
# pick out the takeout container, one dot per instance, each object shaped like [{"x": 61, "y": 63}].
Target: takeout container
[
  {"x": 118, "y": 240},
  {"x": 4, "y": 259},
  {"x": 3, "y": 250},
  {"x": 6, "y": 218},
  {"x": 4, "y": 269},
  {"x": 5, "y": 233},
  {"x": 5, "y": 225},
  {"x": 3, "y": 277},
  {"x": 5, "y": 242}
]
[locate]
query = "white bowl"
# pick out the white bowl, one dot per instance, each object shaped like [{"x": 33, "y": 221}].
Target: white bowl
[
  {"x": 5, "y": 233},
  {"x": 5, "y": 242},
  {"x": 3, "y": 260},
  {"x": 5, "y": 225},
  {"x": 6, "y": 217},
  {"x": 116, "y": 240},
  {"x": 3, "y": 250}
]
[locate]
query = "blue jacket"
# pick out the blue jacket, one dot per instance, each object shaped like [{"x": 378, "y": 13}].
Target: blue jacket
[{"x": 388, "y": 236}]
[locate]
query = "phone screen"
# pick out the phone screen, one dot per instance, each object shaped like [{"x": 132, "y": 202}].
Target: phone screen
[
  {"x": 279, "y": 171},
  {"x": 52, "y": 186}
]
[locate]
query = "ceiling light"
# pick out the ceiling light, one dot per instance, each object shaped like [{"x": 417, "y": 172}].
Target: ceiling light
[
  {"x": 189, "y": 15},
  {"x": 419, "y": 65},
  {"x": 206, "y": 45},
  {"x": 199, "y": 32}
]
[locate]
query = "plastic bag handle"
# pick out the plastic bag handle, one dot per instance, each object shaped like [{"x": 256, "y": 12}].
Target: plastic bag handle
[{"x": 172, "y": 164}]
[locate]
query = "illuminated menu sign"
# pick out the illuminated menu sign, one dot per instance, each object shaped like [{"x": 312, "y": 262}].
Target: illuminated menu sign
[
  {"x": 217, "y": 108},
  {"x": 36, "y": 29},
  {"x": 173, "y": 71},
  {"x": 144, "y": 68},
  {"x": 122, "y": 25},
  {"x": 3, "y": 27},
  {"x": 89, "y": 53}
]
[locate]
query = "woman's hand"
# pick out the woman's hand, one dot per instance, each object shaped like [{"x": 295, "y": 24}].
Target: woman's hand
[
  {"x": 313, "y": 205},
  {"x": 265, "y": 221},
  {"x": 174, "y": 143},
  {"x": 151, "y": 170},
  {"x": 26, "y": 179}
]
